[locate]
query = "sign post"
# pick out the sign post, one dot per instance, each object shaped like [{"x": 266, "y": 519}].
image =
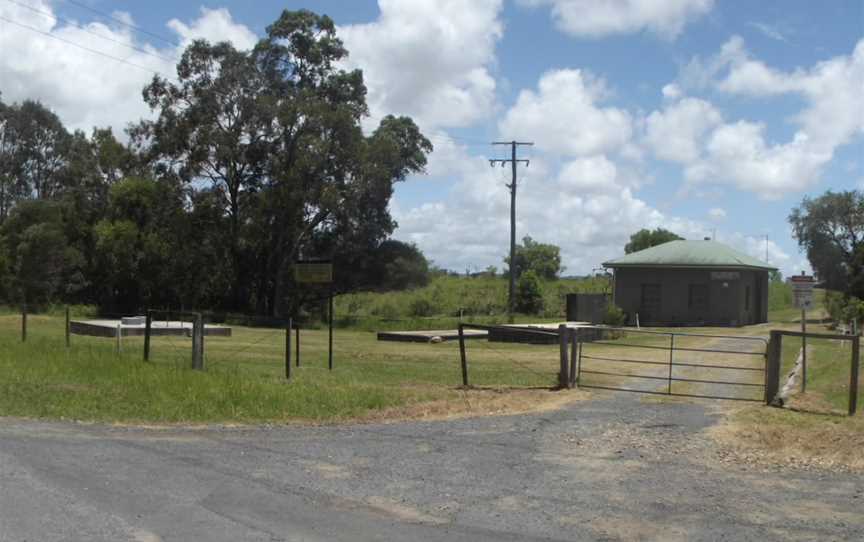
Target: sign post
[
  {"x": 317, "y": 272},
  {"x": 802, "y": 290}
]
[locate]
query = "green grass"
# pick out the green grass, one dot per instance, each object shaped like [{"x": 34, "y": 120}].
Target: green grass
[
  {"x": 244, "y": 377},
  {"x": 479, "y": 299},
  {"x": 828, "y": 368},
  {"x": 780, "y": 308}
]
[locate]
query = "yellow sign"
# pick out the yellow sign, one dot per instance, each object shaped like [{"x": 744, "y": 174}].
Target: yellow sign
[{"x": 313, "y": 272}]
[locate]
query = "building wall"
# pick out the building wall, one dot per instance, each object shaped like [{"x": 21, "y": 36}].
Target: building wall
[{"x": 727, "y": 301}]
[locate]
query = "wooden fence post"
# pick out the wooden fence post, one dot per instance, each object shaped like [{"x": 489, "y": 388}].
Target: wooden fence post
[
  {"x": 288, "y": 350},
  {"x": 462, "y": 357},
  {"x": 330, "y": 335},
  {"x": 853, "y": 376},
  {"x": 772, "y": 368},
  {"x": 297, "y": 344},
  {"x": 198, "y": 343},
  {"x": 574, "y": 347},
  {"x": 24, "y": 323},
  {"x": 148, "y": 326},
  {"x": 563, "y": 341}
]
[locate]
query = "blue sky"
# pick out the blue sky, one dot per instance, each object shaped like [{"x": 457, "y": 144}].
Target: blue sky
[{"x": 704, "y": 117}]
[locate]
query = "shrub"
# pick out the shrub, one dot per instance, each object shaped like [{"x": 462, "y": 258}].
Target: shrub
[
  {"x": 614, "y": 316},
  {"x": 422, "y": 306},
  {"x": 843, "y": 309},
  {"x": 529, "y": 294},
  {"x": 386, "y": 310}
]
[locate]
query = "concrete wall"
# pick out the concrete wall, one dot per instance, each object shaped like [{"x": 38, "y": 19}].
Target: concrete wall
[{"x": 726, "y": 304}]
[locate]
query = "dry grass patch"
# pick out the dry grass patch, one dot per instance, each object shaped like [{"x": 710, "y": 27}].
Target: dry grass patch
[
  {"x": 764, "y": 435},
  {"x": 478, "y": 402}
]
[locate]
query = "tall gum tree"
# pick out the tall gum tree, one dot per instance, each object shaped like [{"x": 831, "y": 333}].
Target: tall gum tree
[{"x": 276, "y": 134}]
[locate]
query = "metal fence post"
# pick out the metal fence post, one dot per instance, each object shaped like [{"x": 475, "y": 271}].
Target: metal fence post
[
  {"x": 148, "y": 325},
  {"x": 462, "y": 355},
  {"x": 853, "y": 376},
  {"x": 24, "y": 323},
  {"x": 563, "y": 341}
]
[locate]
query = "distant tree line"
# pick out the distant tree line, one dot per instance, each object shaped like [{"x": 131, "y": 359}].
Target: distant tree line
[{"x": 252, "y": 160}]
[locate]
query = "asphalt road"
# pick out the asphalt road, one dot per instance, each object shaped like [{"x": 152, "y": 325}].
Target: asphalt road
[{"x": 612, "y": 468}]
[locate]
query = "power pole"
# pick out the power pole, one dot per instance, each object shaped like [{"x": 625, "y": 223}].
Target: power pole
[{"x": 512, "y": 186}]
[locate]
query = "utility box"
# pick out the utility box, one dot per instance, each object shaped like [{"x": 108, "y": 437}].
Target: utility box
[{"x": 587, "y": 307}]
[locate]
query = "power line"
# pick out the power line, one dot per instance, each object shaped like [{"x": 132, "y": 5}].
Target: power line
[
  {"x": 85, "y": 29},
  {"x": 122, "y": 22},
  {"x": 512, "y": 186},
  {"x": 88, "y": 49}
]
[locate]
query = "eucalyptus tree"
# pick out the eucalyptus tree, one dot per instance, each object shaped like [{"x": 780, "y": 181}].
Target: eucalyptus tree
[{"x": 276, "y": 134}]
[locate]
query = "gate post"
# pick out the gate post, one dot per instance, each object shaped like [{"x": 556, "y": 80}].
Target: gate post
[
  {"x": 148, "y": 328},
  {"x": 462, "y": 358},
  {"x": 198, "y": 342},
  {"x": 574, "y": 348},
  {"x": 563, "y": 344},
  {"x": 772, "y": 366}
]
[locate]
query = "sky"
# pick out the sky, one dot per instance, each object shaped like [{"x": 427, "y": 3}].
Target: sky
[{"x": 708, "y": 118}]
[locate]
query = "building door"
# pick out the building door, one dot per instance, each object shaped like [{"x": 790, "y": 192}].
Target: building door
[{"x": 649, "y": 308}]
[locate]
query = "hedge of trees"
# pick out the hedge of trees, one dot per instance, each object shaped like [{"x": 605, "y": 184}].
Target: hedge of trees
[{"x": 251, "y": 161}]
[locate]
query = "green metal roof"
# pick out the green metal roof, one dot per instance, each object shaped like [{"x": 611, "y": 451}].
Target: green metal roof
[{"x": 690, "y": 254}]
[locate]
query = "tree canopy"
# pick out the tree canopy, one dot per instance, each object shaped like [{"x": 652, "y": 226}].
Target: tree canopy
[
  {"x": 645, "y": 238},
  {"x": 830, "y": 229},
  {"x": 253, "y": 160},
  {"x": 541, "y": 258}
]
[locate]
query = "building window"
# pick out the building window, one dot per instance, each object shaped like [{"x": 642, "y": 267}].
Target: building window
[
  {"x": 747, "y": 298},
  {"x": 698, "y": 297}
]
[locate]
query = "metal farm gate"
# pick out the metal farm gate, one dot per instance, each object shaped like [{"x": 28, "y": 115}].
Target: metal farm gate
[{"x": 668, "y": 363}]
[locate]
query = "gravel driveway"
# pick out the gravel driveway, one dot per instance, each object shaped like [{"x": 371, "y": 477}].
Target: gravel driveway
[{"x": 616, "y": 467}]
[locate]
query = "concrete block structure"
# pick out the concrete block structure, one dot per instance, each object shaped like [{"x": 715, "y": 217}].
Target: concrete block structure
[{"x": 692, "y": 283}]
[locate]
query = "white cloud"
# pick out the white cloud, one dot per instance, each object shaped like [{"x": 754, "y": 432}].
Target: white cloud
[
  {"x": 430, "y": 59},
  {"x": 767, "y": 30},
  {"x": 82, "y": 87},
  {"x": 717, "y": 214},
  {"x": 586, "y": 206},
  {"x": 591, "y": 175},
  {"x": 677, "y": 133},
  {"x": 740, "y": 153},
  {"x": 671, "y": 91},
  {"x": 594, "y": 19},
  {"x": 214, "y": 25},
  {"x": 563, "y": 116}
]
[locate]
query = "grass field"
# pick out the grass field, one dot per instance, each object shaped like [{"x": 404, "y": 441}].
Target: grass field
[
  {"x": 828, "y": 371},
  {"x": 244, "y": 380}
]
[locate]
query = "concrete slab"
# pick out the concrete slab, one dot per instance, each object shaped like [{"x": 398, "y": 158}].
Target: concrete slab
[
  {"x": 108, "y": 328},
  {"x": 427, "y": 336},
  {"x": 517, "y": 333}
]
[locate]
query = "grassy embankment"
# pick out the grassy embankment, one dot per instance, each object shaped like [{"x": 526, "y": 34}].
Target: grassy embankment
[{"x": 480, "y": 299}]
